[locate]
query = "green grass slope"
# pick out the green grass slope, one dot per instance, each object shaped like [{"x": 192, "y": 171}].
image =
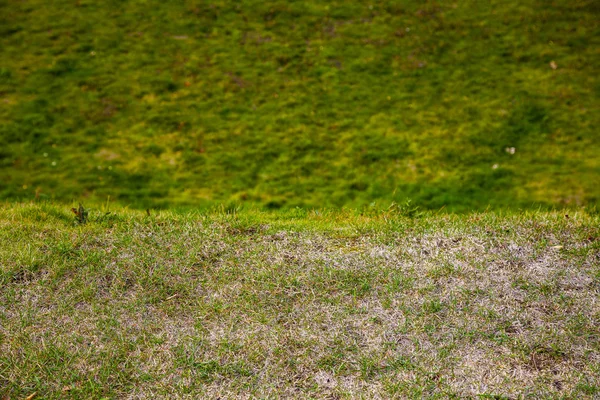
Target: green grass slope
[
  {"x": 298, "y": 305},
  {"x": 301, "y": 103}
]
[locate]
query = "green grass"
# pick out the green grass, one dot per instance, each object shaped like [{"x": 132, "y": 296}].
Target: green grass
[
  {"x": 312, "y": 104},
  {"x": 298, "y": 304}
]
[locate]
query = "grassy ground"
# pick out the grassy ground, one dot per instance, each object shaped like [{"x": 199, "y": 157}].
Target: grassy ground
[
  {"x": 298, "y": 304},
  {"x": 462, "y": 105}
]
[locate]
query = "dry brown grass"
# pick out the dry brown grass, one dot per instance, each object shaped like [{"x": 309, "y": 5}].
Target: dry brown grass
[{"x": 219, "y": 306}]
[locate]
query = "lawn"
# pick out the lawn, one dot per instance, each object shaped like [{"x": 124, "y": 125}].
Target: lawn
[
  {"x": 300, "y": 304},
  {"x": 455, "y": 105},
  {"x": 299, "y": 199}
]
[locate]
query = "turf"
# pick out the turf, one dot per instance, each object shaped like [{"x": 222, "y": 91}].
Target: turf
[
  {"x": 298, "y": 304},
  {"x": 279, "y": 104}
]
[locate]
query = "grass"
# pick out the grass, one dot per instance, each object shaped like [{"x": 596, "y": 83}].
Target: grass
[
  {"x": 298, "y": 304},
  {"x": 433, "y": 166},
  {"x": 279, "y": 104}
]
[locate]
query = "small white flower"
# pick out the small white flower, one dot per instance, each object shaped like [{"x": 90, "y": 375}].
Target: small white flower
[
  {"x": 53, "y": 163},
  {"x": 495, "y": 166}
]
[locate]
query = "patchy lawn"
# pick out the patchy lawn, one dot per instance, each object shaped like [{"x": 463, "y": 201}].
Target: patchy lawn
[{"x": 322, "y": 305}]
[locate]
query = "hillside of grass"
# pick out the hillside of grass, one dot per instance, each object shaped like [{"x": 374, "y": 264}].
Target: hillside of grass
[
  {"x": 461, "y": 106},
  {"x": 298, "y": 305}
]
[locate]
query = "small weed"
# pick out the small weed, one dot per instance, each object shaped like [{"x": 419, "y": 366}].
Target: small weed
[{"x": 81, "y": 214}]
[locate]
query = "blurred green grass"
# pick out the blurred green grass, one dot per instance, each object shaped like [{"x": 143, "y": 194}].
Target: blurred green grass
[{"x": 287, "y": 104}]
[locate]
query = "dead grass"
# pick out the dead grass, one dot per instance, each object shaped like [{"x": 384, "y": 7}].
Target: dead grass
[{"x": 256, "y": 306}]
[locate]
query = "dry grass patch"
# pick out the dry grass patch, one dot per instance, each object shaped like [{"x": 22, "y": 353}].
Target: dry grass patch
[{"x": 247, "y": 306}]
